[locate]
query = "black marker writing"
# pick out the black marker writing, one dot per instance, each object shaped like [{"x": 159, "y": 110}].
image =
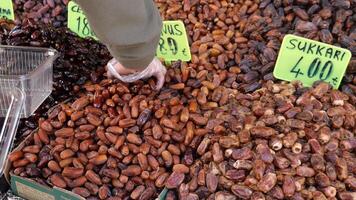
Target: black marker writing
[
  {"x": 336, "y": 55},
  {"x": 335, "y": 80},
  {"x": 184, "y": 51},
  {"x": 310, "y": 49},
  {"x": 4, "y": 11},
  {"x": 161, "y": 46},
  {"x": 314, "y": 68},
  {"x": 176, "y": 27},
  {"x": 294, "y": 69},
  {"x": 326, "y": 71},
  {"x": 172, "y": 45},
  {"x": 316, "y": 49},
  {"x": 302, "y": 48},
  {"x": 329, "y": 52},
  {"x": 76, "y": 9},
  {"x": 328, "y": 65},
  {"x": 291, "y": 42},
  {"x": 83, "y": 27},
  {"x": 171, "y": 30}
]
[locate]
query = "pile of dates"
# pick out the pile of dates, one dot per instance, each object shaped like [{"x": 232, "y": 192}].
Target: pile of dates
[
  {"x": 79, "y": 60},
  {"x": 249, "y": 33},
  {"x": 222, "y": 34},
  {"x": 245, "y": 33},
  {"x": 198, "y": 137},
  {"x": 44, "y": 11}
]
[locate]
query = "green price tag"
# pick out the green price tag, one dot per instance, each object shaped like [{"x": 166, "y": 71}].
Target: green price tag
[
  {"x": 78, "y": 22},
  {"x": 173, "y": 44},
  {"x": 309, "y": 61},
  {"x": 7, "y": 10}
]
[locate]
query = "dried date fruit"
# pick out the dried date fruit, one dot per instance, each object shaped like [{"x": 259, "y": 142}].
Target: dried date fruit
[
  {"x": 58, "y": 181},
  {"x": 81, "y": 191},
  {"x": 132, "y": 170},
  {"x": 267, "y": 182},
  {"x": 241, "y": 191},
  {"x": 174, "y": 180},
  {"x": 211, "y": 182}
]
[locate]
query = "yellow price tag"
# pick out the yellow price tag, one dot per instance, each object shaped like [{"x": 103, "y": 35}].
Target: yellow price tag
[
  {"x": 7, "y": 10},
  {"x": 78, "y": 22},
  {"x": 309, "y": 61},
  {"x": 173, "y": 44}
]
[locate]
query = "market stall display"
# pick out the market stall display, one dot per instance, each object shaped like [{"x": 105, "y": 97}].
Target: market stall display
[
  {"x": 222, "y": 127},
  {"x": 281, "y": 141}
]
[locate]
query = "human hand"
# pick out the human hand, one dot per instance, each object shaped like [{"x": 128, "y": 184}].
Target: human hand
[{"x": 155, "y": 68}]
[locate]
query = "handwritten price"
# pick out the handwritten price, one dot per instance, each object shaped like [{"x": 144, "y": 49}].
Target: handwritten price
[
  {"x": 314, "y": 70},
  {"x": 316, "y": 61},
  {"x": 83, "y": 27},
  {"x": 173, "y": 44},
  {"x": 78, "y": 22}
]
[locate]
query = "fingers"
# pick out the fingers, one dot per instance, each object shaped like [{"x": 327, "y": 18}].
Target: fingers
[
  {"x": 160, "y": 73},
  {"x": 109, "y": 67},
  {"x": 108, "y": 74},
  {"x": 115, "y": 69},
  {"x": 160, "y": 80}
]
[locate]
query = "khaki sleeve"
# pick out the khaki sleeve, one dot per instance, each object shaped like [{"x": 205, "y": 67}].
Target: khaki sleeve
[{"x": 129, "y": 28}]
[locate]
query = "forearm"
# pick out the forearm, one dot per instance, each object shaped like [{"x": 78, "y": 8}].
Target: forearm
[{"x": 129, "y": 28}]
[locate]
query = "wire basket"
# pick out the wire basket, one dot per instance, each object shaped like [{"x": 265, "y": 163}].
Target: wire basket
[{"x": 30, "y": 70}]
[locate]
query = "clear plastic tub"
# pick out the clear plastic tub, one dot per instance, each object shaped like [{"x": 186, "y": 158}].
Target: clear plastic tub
[
  {"x": 14, "y": 98},
  {"x": 30, "y": 70},
  {"x": 25, "y": 82}
]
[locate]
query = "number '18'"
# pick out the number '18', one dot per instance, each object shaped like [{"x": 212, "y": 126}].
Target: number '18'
[{"x": 85, "y": 29}]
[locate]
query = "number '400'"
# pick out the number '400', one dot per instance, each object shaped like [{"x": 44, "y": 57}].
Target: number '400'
[
  {"x": 314, "y": 69},
  {"x": 85, "y": 29}
]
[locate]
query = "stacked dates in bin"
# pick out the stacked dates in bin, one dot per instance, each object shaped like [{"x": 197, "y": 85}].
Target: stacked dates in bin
[{"x": 199, "y": 138}]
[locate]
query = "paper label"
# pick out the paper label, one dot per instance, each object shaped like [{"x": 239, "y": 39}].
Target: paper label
[
  {"x": 309, "y": 61},
  {"x": 7, "y": 10},
  {"x": 78, "y": 22},
  {"x": 173, "y": 44}
]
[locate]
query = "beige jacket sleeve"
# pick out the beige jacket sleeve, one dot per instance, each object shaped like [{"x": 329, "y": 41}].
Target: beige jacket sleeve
[{"x": 129, "y": 28}]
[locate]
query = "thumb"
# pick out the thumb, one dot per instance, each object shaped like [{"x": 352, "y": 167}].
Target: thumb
[
  {"x": 109, "y": 74},
  {"x": 160, "y": 80},
  {"x": 110, "y": 68}
]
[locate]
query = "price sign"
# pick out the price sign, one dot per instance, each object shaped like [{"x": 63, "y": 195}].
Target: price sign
[
  {"x": 309, "y": 61},
  {"x": 173, "y": 44},
  {"x": 78, "y": 22},
  {"x": 7, "y": 10}
]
